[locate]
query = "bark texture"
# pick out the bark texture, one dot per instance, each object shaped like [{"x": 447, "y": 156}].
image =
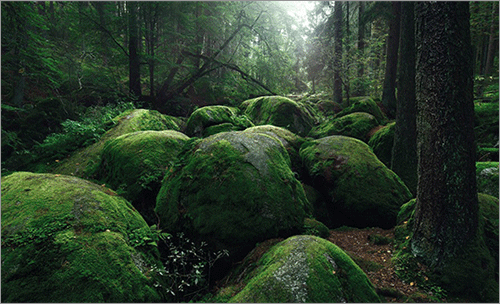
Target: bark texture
[{"x": 446, "y": 215}]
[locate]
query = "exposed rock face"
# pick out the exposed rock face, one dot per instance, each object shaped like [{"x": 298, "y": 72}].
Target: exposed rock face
[
  {"x": 65, "y": 239},
  {"x": 233, "y": 189},
  {"x": 282, "y": 112},
  {"x": 358, "y": 189},
  {"x": 305, "y": 269}
]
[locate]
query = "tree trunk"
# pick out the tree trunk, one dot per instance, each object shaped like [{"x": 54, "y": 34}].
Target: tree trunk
[
  {"x": 134, "y": 60},
  {"x": 446, "y": 215},
  {"x": 337, "y": 62},
  {"x": 391, "y": 68},
  {"x": 404, "y": 151},
  {"x": 361, "y": 44},
  {"x": 491, "y": 44}
]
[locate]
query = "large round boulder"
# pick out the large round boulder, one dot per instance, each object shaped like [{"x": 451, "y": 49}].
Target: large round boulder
[
  {"x": 210, "y": 120},
  {"x": 83, "y": 161},
  {"x": 359, "y": 190},
  {"x": 487, "y": 174},
  {"x": 65, "y": 239},
  {"x": 233, "y": 189},
  {"x": 304, "y": 269},
  {"x": 363, "y": 104},
  {"x": 382, "y": 141},
  {"x": 282, "y": 112},
  {"x": 357, "y": 125},
  {"x": 134, "y": 165}
]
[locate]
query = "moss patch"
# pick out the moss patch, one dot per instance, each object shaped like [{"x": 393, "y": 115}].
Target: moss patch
[
  {"x": 306, "y": 269},
  {"x": 135, "y": 163},
  {"x": 210, "y": 120},
  {"x": 486, "y": 124},
  {"x": 381, "y": 143},
  {"x": 315, "y": 227},
  {"x": 65, "y": 239},
  {"x": 282, "y": 112},
  {"x": 355, "y": 125},
  {"x": 360, "y": 190},
  {"x": 487, "y": 178},
  {"x": 364, "y": 104},
  {"x": 233, "y": 189},
  {"x": 84, "y": 161}
]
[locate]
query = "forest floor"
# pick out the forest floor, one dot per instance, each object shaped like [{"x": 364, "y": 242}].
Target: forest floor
[{"x": 376, "y": 261}]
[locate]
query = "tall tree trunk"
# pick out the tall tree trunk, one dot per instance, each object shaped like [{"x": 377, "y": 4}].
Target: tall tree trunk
[
  {"x": 337, "y": 62},
  {"x": 391, "y": 68},
  {"x": 446, "y": 216},
  {"x": 134, "y": 60},
  {"x": 492, "y": 38},
  {"x": 404, "y": 151},
  {"x": 361, "y": 46}
]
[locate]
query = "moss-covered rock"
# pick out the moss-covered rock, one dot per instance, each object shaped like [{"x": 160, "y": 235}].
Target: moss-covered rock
[
  {"x": 486, "y": 124},
  {"x": 305, "y": 269},
  {"x": 487, "y": 178},
  {"x": 328, "y": 107},
  {"x": 233, "y": 189},
  {"x": 356, "y": 125},
  {"x": 364, "y": 104},
  {"x": 135, "y": 163},
  {"x": 315, "y": 227},
  {"x": 360, "y": 190},
  {"x": 83, "y": 161},
  {"x": 65, "y": 239},
  {"x": 282, "y": 112},
  {"x": 381, "y": 143},
  {"x": 210, "y": 120},
  {"x": 290, "y": 141}
]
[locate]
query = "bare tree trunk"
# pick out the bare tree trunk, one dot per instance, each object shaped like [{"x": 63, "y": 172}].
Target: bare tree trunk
[
  {"x": 389, "y": 90},
  {"x": 134, "y": 60},
  {"x": 337, "y": 63}
]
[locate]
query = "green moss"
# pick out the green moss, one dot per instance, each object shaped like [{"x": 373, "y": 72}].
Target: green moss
[
  {"x": 328, "y": 107},
  {"x": 355, "y": 125},
  {"x": 306, "y": 269},
  {"x": 282, "y": 112},
  {"x": 487, "y": 178},
  {"x": 471, "y": 274},
  {"x": 364, "y": 104},
  {"x": 315, "y": 227},
  {"x": 234, "y": 189},
  {"x": 381, "y": 143},
  {"x": 486, "y": 123},
  {"x": 62, "y": 233},
  {"x": 83, "y": 161},
  {"x": 360, "y": 190},
  {"x": 204, "y": 121}
]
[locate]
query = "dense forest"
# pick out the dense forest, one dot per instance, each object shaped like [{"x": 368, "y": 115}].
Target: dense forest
[{"x": 177, "y": 151}]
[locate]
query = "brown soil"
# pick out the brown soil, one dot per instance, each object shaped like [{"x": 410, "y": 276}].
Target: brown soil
[{"x": 376, "y": 261}]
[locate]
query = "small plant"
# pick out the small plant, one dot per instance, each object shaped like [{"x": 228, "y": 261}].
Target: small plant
[{"x": 188, "y": 265}]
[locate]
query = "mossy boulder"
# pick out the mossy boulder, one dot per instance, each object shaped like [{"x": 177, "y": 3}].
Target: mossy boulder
[
  {"x": 359, "y": 190},
  {"x": 305, "y": 269},
  {"x": 382, "y": 141},
  {"x": 210, "y": 120},
  {"x": 282, "y": 112},
  {"x": 328, "y": 107},
  {"x": 486, "y": 124},
  {"x": 363, "y": 104},
  {"x": 233, "y": 189},
  {"x": 290, "y": 141},
  {"x": 134, "y": 164},
  {"x": 487, "y": 178},
  {"x": 83, "y": 161},
  {"x": 65, "y": 239},
  {"x": 356, "y": 125}
]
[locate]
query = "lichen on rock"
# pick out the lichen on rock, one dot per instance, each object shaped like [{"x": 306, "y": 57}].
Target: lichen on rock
[{"x": 65, "y": 239}]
